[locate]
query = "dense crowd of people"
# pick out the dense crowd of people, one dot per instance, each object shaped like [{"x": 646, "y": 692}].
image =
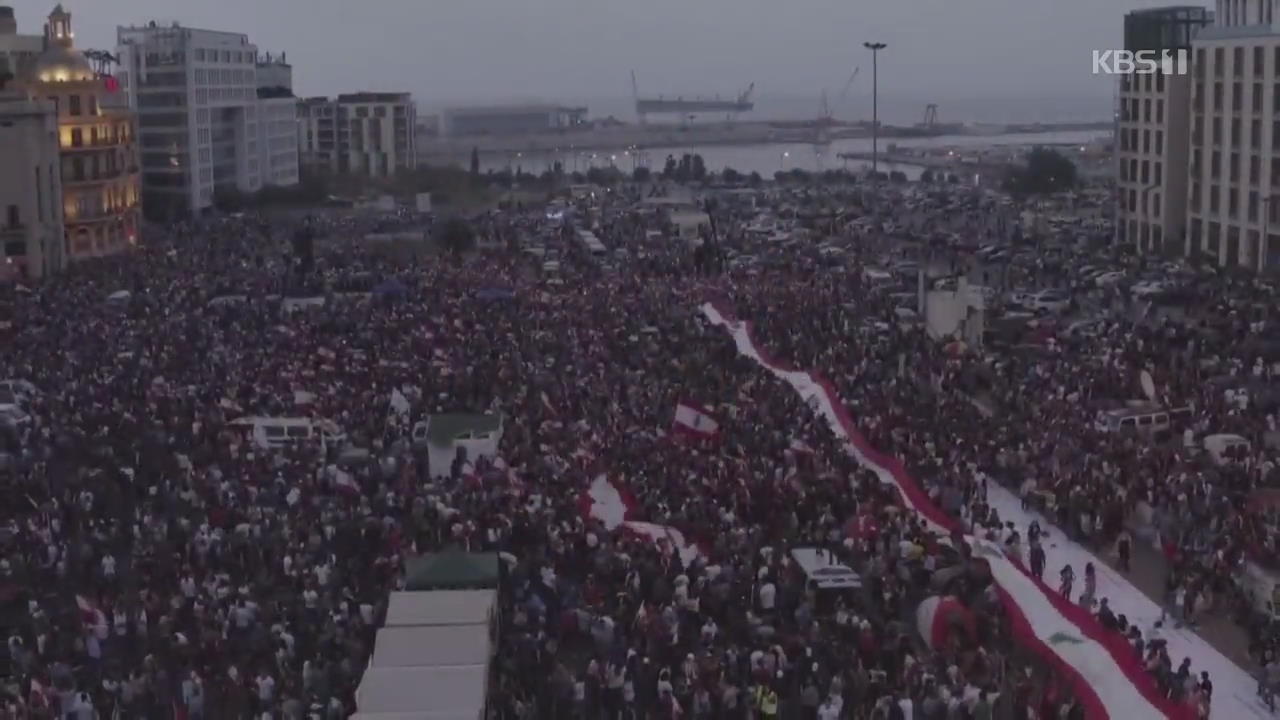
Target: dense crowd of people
[{"x": 158, "y": 562}]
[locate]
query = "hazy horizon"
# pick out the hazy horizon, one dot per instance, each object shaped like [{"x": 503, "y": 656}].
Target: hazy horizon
[{"x": 1025, "y": 57}]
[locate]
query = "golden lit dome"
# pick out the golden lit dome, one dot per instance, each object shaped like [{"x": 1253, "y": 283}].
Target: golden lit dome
[{"x": 59, "y": 64}]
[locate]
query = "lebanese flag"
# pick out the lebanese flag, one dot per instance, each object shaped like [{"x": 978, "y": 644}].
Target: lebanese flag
[
  {"x": 345, "y": 483},
  {"x": 90, "y": 614},
  {"x": 695, "y": 420}
]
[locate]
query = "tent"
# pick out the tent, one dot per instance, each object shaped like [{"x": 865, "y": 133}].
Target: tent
[
  {"x": 938, "y": 617},
  {"x": 431, "y": 646},
  {"x": 495, "y": 294},
  {"x": 428, "y": 693},
  {"x": 821, "y": 569},
  {"x": 391, "y": 287},
  {"x": 440, "y": 607},
  {"x": 452, "y": 570}
]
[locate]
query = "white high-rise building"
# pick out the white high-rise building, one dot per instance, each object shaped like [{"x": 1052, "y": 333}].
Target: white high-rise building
[
  {"x": 1235, "y": 137},
  {"x": 367, "y": 133},
  {"x": 200, "y": 118},
  {"x": 1153, "y": 133}
]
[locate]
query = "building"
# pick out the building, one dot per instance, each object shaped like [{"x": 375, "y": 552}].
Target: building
[
  {"x": 1153, "y": 133},
  {"x": 367, "y": 133},
  {"x": 101, "y": 184},
  {"x": 17, "y": 52},
  {"x": 1235, "y": 135},
  {"x": 200, "y": 116},
  {"x": 277, "y": 122},
  {"x": 31, "y": 231},
  {"x": 510, "y": 119}
]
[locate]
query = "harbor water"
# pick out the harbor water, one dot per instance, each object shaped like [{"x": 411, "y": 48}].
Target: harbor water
[{"x": 768, "y": 159}]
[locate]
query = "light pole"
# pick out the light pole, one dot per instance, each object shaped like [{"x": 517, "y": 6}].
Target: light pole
[
  {"x": 875, "y": 48},
  {"x": 1264, "y": 240}
]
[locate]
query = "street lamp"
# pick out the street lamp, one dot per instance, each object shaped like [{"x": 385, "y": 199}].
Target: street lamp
[
  {"x": 782, "y": 160},
  {"x": 875, "y": 48}
]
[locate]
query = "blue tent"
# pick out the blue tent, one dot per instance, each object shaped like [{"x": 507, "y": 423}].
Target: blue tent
[
  {"x": 391, "y": 287},
  {"x": 495, "y": 294}
]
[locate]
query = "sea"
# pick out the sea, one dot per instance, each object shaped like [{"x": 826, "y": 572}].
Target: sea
[{"x": 768, "y": 159}]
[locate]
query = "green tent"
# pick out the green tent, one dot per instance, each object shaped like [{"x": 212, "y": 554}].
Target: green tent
[{"x": 452, "y": 570}]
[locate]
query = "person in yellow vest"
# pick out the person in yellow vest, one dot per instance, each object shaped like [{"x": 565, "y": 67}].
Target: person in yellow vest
[{"x": 768, "y": 702}]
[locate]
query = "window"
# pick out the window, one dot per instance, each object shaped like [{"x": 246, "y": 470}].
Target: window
[
  {"x": 1159, "y": 142},
  {"x": 1237, "y": 61},
  {"x": 74, "y": 108},
  {"x": 1214, "y": 202},
  {"x": 13, "y": 217},
  {"x": 1235, "y": 167},
  {"x": 1237, "y": 101},
  {"x": 1255, "y": 134},
  {"x": 1233, "y": 201},
  {"x": 1215, "y": 165},
  {"x": 1160, "y": 110},
  {"x": 1255, "y": 169},
  {"x": 93, "y": 105},
  {"x": 1146, "y": 172},
  {"x": 1146, "y": 111},
  {"x": 1158, "y": 174},
  {"x": 1256, "y": 105},
  {"x": 1217, "y": 96},
  {"x": 1253, "y": 207},
  {"x": 1258, "y": 63},
  {"x": 77, "y": 137}
]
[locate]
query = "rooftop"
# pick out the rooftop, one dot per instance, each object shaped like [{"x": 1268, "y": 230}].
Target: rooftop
[
  {"x": 375, "y": 97},
  {"x": 513, "y": 109}
]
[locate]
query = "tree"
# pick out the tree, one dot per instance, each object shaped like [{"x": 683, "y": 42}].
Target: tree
[
  {"x": 670, "y": 167},
  {"x": 754, "y": 179},
  {"x": 731, "y": 176},
  {"x": 1046, "y": 171},
  {"x": 897, "y": 176},
  {"x": 684, "y": 171},
  {"x": 697, "y": 168},
  {"x": 926, "y": 176},
  {"x": 641, "y": 174},
  {"x": 455, "y": 236},
  {"x": 475, "y": 160}
]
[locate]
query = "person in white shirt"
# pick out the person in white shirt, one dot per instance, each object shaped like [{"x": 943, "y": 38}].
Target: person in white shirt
[{"x": 768, "y": 595}]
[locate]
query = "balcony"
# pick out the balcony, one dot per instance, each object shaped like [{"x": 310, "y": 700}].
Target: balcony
[
  {"x": 99, "y": 144},
  {"x": 100, "y": 177}
]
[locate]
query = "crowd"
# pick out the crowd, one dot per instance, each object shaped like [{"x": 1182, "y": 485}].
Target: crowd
[{"x": 157, "y": 562}]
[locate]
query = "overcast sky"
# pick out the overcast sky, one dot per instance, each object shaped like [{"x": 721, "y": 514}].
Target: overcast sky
[{"x": 499, "y": 50}]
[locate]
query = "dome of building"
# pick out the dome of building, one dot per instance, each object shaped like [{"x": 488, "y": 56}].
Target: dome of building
[{"x": 59, "y": 64}]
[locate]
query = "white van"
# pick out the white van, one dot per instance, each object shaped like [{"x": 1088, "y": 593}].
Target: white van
[
  {"x": 280, "y": 432},
  {"x": 1147, "y": 419},
  {"x": 1218, "y": 445}
]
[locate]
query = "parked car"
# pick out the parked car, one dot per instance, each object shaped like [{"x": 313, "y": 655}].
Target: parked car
[{"x": 1053, "y": 301}]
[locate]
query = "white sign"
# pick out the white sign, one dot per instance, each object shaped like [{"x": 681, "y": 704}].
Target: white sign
[{"x": 1141, "y": 62}]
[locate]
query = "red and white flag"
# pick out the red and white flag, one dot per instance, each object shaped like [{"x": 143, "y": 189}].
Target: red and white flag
[
  {"x": 344, "y": 482},
  {"x": 90, "y": 614},
  {"x": 695, "y": 420}
]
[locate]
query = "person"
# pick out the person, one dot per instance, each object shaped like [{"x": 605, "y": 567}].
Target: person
[
  {"x": 1037, "y": 558},
  {"x": 1067, "y": 578},
  {"x": 1124, "y": 547},
  {"x": 1090, "y": 586}
]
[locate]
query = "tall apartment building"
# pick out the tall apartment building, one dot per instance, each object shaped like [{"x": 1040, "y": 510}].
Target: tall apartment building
[
  {"x": 277, "y": 122},
  {"x": 1235, "y": 137},
  {"x": 199, "y": 115},
  {"x": 367, "y": 133},
  {"x": 1153, "y": 133},
  {"x": 31, "y": 232}
]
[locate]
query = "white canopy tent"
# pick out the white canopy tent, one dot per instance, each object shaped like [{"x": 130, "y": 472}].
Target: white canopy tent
[
  {"x": 821, "y": 569},
  {"x": 426, "y": 693},
  {"x": 440, "y": 607},
  {"x": 431, "y": 646}
]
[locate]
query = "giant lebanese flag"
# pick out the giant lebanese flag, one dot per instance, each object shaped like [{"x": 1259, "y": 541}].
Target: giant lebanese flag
[
  {"x": 615, "y": 509},
  {"x": 1104, "y": 674}
]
